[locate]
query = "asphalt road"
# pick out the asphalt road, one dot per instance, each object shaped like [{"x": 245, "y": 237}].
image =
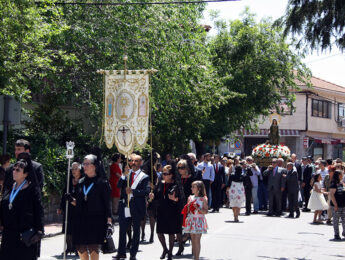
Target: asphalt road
[{"x": 254, "y": 237}]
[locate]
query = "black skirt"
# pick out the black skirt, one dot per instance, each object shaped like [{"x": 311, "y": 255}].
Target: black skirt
[{"x": 89, "y": 230}]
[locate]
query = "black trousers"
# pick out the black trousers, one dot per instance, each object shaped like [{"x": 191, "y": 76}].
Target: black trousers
[
  {"x": 275, "y": 204},
  {"x": 293, "y": 202},
  {"x": 248, "y": 192},
  {"x": 207, "y": 186},
  {"x": 216, "y": 190},
  {"x": 306, "y": 192},
  {"x": 284, "y": 200},
  {"x": 124, "y": 223}
]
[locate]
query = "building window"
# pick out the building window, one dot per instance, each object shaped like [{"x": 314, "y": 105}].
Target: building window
[
  {"x": 341, "y": 111},
  {"x": 321, "y": 108}
]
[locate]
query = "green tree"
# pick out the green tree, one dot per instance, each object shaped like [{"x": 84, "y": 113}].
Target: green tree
[
  {"x": 167, "y": 38},
  {"x": 319, "y": 23},
  {"x": 255, "y": 65},
  {"x": 26, "y": 30}
]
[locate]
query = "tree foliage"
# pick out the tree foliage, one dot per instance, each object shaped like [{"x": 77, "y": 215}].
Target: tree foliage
[
  {"x": 255, "y": 65},
  {"x": 167, "y": 38},
  {"x": 26, "y": 30},
  {"x": 320, "y": 23}
]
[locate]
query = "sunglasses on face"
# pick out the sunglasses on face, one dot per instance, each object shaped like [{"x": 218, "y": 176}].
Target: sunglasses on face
[
  {"x": 166, "y": 173},
  {"x": 181, "y": 167},
  {"x": 17, "y": 169}
]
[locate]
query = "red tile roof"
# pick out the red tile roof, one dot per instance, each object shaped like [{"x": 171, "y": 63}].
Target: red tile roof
[{"x": 323, "y": 84}]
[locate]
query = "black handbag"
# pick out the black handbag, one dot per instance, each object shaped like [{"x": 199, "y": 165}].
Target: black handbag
[
  {"x": 108, "y": 246},
  {"x": 27, "y": 236}
]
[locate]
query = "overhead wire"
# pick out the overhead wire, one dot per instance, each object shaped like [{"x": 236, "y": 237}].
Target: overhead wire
[{"x": 135, "y": 3}]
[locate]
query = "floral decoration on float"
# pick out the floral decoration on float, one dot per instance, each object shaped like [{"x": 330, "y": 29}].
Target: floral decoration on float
[{"x": 268, "y": 151}]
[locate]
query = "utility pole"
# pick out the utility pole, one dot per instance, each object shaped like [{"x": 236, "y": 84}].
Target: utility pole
[{"x": 6, "y": 122}]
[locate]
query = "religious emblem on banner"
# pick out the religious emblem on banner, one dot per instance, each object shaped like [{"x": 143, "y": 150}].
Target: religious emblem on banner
[{"x": 126, "y": 118}]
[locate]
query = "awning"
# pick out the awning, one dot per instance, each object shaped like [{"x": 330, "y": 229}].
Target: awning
[
  {"x": 328, "y": 141},
  {"x": 265, "y": 132}
]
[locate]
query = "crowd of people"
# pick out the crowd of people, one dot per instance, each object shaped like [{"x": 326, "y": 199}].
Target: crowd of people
[{"x": 174, "y": 195}]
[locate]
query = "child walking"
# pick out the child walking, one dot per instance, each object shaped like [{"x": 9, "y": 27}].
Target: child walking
[
  {"x": 194, "y": 212},
  {"x": 317, "y": 201}
]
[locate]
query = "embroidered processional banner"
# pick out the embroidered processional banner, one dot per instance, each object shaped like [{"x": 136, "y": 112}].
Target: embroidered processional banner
[{"x": 126, "y": 102}]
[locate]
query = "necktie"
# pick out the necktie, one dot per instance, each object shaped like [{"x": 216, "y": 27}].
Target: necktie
[
  {"x": 216, "y": 168},
  {"x": 274, "y": 171}
]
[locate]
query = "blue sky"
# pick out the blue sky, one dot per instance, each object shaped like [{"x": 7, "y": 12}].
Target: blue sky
[{"x": 329, "y": 66}]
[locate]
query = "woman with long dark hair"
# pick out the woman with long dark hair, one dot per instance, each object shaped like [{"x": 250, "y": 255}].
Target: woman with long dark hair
[
  {"x": 337, "y": 194},
  {"x": 92, "y": 222},
  {"x": 21, "y": 215},
  {"x": 169, "y": 193}
]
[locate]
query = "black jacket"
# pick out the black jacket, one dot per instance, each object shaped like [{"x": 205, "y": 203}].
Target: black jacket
[{"x": 138, "y": 201}]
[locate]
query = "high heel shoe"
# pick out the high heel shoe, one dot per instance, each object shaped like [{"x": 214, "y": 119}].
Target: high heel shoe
[
  {"x": 169, "y": 256},
  {"x": 185, "y": 239},
  {"x": 180, "y": 251},
  {"x": 164, "y": 253}
]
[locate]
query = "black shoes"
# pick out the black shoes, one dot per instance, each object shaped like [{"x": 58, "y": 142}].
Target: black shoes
[
  {"x": 118, "y": 257},
  {"x": 337, "y": 237},
  {"x": 180, "y": 251},
  {"x": 164, "y": 253},
  {"x": 290, "y": 216},
  {"x": 298, "y": 213}
]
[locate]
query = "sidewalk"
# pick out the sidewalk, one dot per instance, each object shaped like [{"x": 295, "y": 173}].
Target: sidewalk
[{"x": 52, "y": 229}]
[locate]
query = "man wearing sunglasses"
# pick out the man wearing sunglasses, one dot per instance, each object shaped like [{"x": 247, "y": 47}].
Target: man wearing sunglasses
[{"x": 135, "y": 186}]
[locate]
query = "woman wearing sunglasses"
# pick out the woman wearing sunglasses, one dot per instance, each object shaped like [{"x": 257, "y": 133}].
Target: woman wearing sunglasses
[
  {"x": 21, "y": 215},
  {"x": 187, "y": 179},
  {"x": 169, "y": 193}
]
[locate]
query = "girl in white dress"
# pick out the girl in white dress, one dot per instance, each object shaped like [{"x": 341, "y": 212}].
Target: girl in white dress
[
  {"x": 317, "y": 201},
  {"x": 195, "y": 222}
]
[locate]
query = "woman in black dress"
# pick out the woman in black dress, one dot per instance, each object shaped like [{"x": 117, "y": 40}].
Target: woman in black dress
[
  {"x": 184, "y": 168},
  {"x": 74, "y": 180},
  {"x": 92, "y": 219},
  {"x": 170, "y": 198},
  {"x": 21, "y": 210}
]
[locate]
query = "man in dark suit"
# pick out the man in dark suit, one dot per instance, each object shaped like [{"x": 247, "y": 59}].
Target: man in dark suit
[
  {"x": 299, "y": 172},
  {"x": 292, "y": 189},
  {"x": 247, "y": 183},
  {"x": 23, "y": 146},
  {"x": 136, "y": 188},
  {"x": 307, "y": 172},
  {"x": 275, "y": 187},
  {"x": 218, "y": 184}
]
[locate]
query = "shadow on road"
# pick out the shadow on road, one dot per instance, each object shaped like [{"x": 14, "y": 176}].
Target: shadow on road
[{"x": 282, "y": 258}]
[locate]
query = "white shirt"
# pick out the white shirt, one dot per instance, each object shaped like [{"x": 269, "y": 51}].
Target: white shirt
[{"x": 123, "y": 177}]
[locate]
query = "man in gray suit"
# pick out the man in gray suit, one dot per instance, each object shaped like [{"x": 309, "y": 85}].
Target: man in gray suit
[
  {"x": 276, "y": 185},
  {"x": 292, "y": 189}
]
